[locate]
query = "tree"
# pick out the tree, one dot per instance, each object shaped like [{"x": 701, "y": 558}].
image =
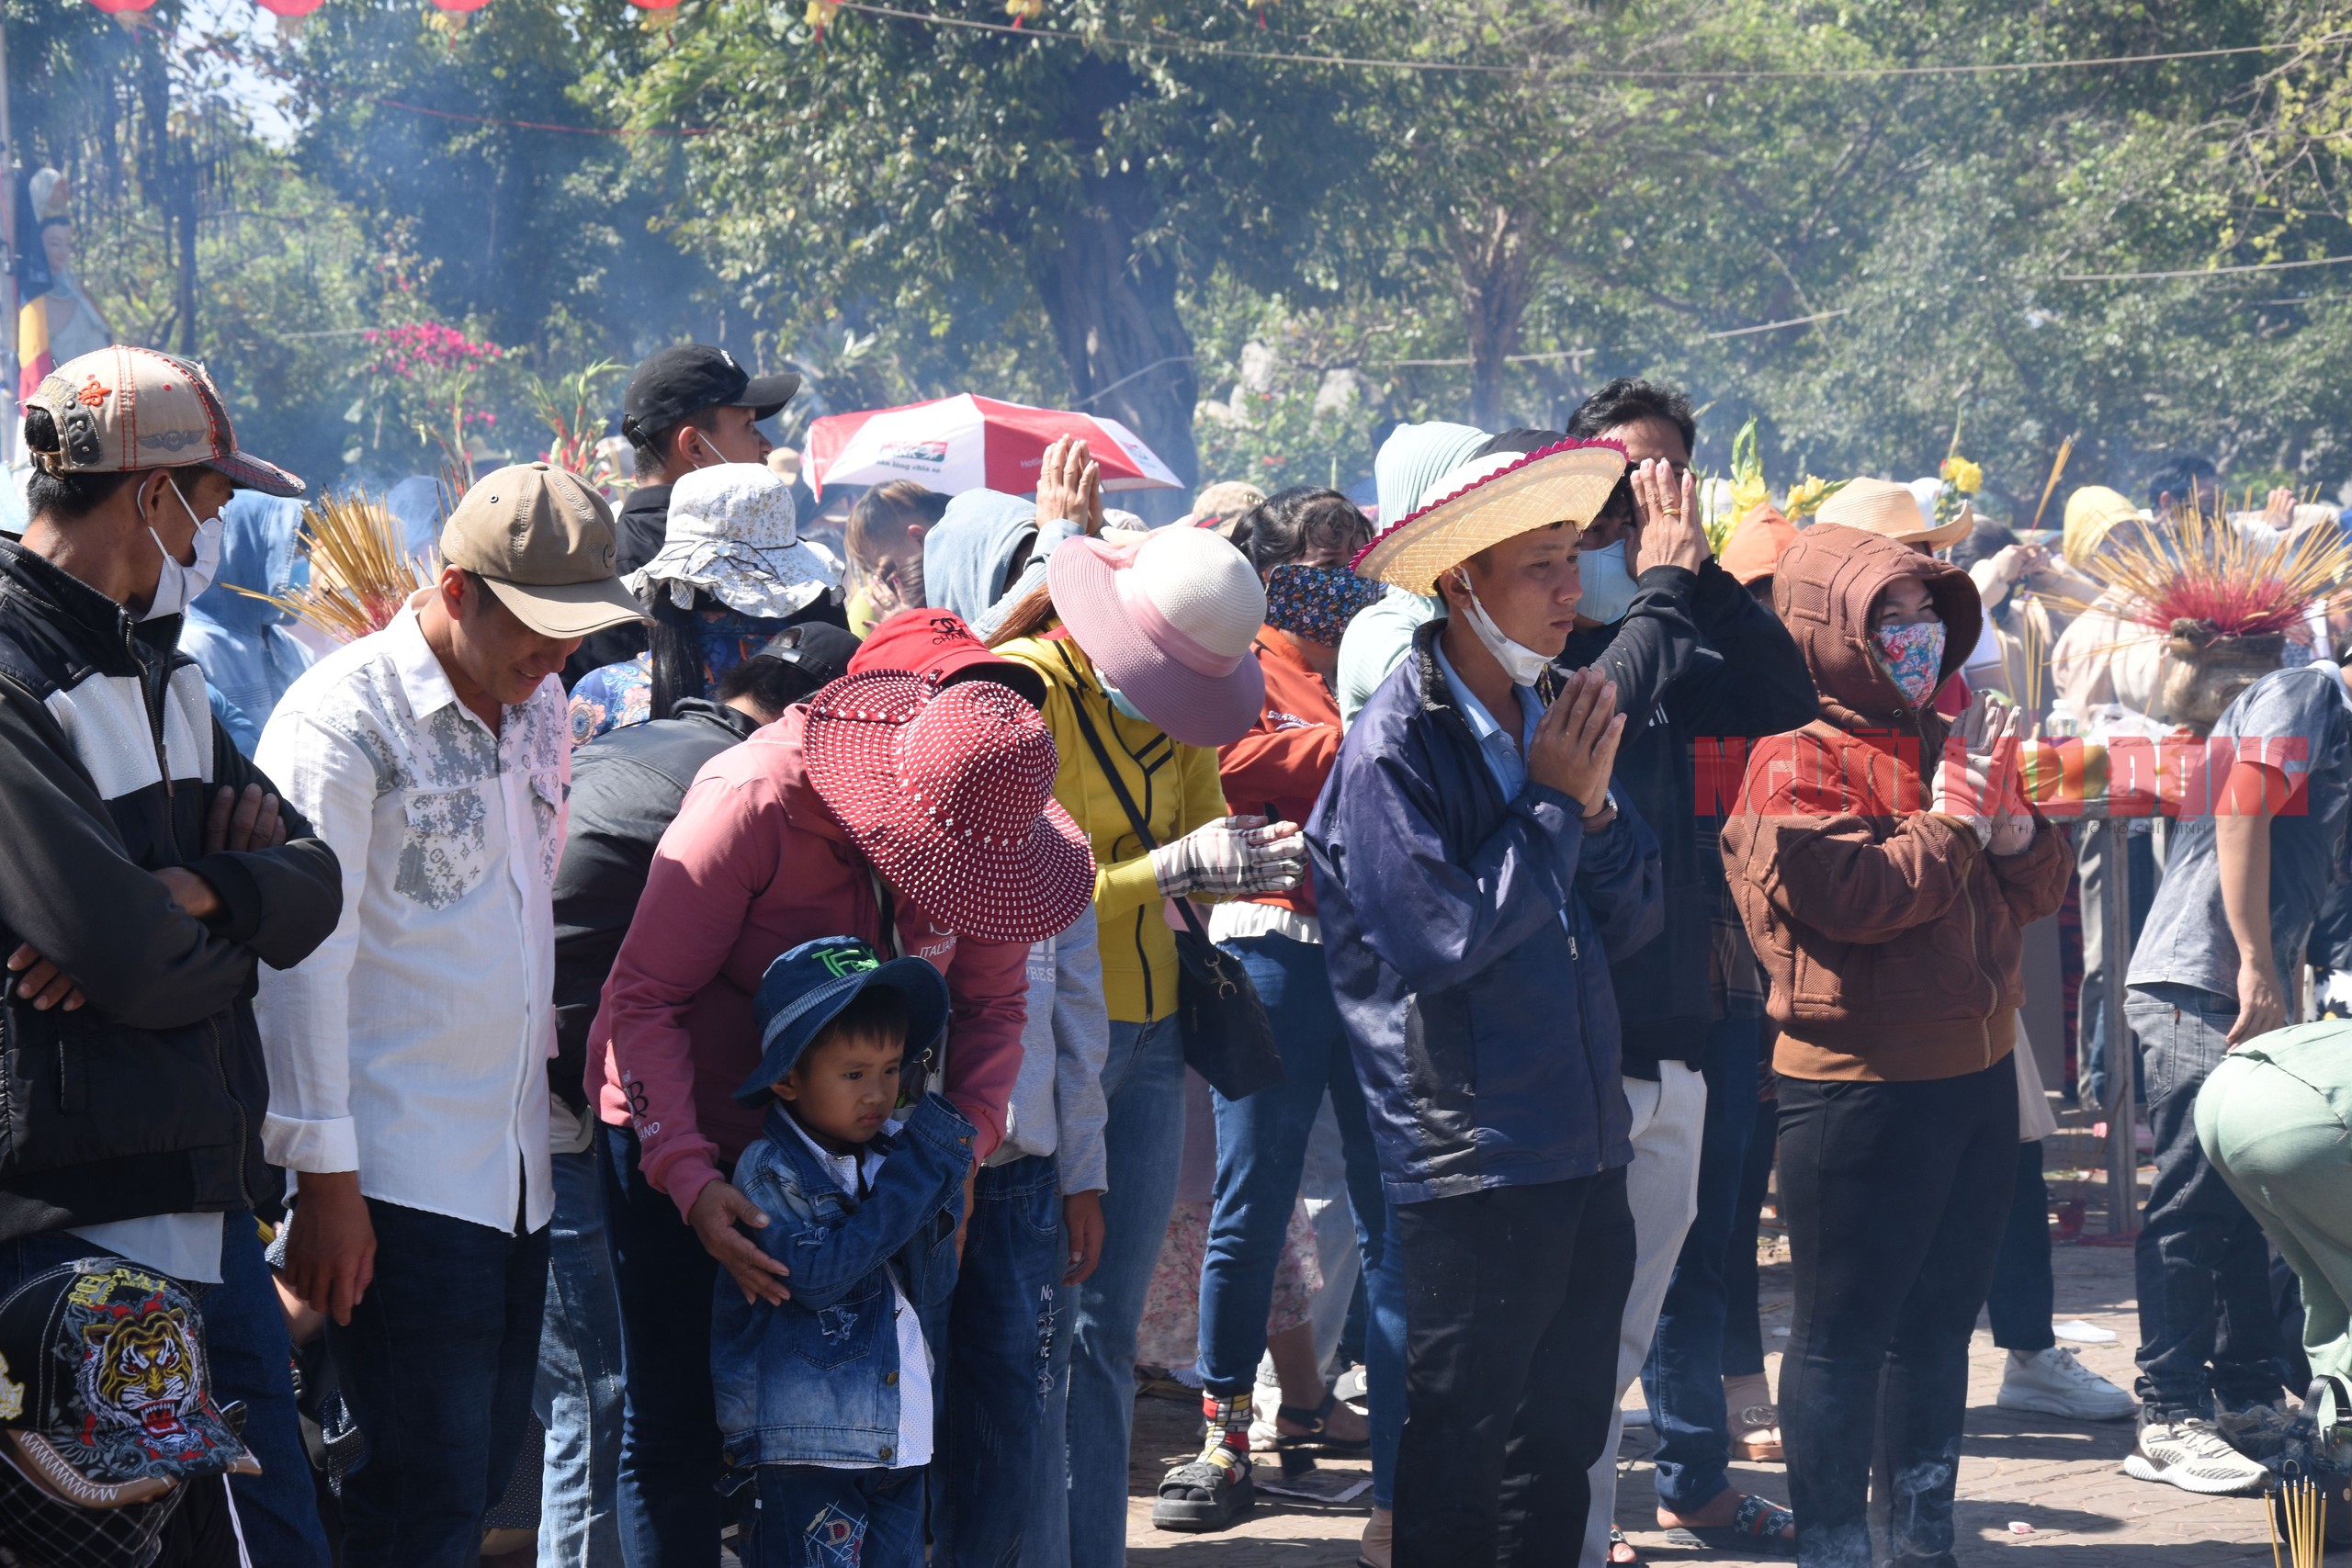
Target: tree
[{"x": 921, "y": 177}]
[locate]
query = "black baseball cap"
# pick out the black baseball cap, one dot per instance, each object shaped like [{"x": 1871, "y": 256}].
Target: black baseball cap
[{"x": 680, "y": 382}]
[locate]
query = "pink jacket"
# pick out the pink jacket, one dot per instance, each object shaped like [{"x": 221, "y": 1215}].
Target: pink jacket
[{"x": 753, "y": 864}]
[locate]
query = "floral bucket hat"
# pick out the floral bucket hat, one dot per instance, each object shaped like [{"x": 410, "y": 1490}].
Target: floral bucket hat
[{"x": 734, "y": 534}]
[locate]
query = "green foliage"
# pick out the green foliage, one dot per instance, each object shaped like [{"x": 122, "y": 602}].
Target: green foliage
[{"x": 1851, "y": 262}]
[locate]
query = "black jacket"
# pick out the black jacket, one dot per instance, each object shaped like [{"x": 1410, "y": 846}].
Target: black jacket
[
  {"x": 148, "y": 1099},
  {"x": 1696, "y": 659},
  {"x": 642, "y": 525},
  {"x": 627, "y": 785}
]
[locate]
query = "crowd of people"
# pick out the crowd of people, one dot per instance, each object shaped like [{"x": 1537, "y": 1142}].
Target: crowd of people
[{"x": 760, "y": 1045}]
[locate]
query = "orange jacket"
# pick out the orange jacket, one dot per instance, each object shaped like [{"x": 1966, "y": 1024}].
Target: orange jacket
[{"x": 1277, "y": 769}]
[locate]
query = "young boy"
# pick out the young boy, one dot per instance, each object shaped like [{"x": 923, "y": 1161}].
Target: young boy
[{"x": 826, "y": 1400}]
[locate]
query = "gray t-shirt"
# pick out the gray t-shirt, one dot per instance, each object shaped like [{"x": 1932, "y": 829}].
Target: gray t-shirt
[{"x": 2300, "y": 722}]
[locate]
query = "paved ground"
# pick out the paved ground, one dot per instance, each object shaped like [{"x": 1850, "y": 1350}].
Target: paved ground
[{"x": 2063, "y": 1480}]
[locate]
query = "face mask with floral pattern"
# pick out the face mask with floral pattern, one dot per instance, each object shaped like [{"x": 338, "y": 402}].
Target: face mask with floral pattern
[
  {"x": 1914, "y": 655},
  {"x": 1316, "y": 602}
]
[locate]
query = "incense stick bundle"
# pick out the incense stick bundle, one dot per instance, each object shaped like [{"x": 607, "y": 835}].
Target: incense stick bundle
[
  {"x": 2065, "y": 450},
  {"x": 2304, "y": 1507},
  {"x": 360, "y": 575},
  {"x": 2237, "y": 581}
]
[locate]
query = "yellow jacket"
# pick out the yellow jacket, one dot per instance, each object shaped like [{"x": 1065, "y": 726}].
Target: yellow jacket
[{"x": 1175, "y": 787}]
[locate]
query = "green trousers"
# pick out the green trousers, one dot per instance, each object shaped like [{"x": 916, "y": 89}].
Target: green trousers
[{"x": 2275, "y": 1120}]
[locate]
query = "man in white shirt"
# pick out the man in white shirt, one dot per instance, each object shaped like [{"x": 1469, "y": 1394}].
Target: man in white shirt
[{"x": 407, "y": 1087}]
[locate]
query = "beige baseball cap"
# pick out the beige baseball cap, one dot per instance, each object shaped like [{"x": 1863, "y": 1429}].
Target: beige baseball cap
[
  {"x": 544, "y": 541},
  {"x": 121, "y": 410}
]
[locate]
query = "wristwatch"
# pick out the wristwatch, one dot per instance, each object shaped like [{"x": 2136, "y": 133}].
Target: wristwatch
[{"x": 1596, "y": 820}]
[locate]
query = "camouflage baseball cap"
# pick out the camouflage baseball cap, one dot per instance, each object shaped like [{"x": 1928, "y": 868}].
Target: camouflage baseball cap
[{"x": 123, "y": 409}]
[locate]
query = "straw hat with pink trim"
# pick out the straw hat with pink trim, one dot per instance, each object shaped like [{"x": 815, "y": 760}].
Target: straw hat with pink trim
[
  {"x": 949, "y": 792},
  {"x": 1489, "y": 499},
  {"x": 1169, "y": 620}
]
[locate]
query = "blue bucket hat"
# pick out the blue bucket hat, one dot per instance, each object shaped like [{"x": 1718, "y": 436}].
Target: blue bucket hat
[{"x": 807, "y": 988}]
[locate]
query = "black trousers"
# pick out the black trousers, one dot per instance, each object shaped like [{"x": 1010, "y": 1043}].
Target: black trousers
[
  {"x": 1896, "y": 1196},
  {"x": 1512, "y": 1299}
]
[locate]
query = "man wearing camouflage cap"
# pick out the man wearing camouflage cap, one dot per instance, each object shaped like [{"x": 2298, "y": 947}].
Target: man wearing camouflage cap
[
  {"x": 147, "y": 873},
  {"x": 407, "y": 1056}
]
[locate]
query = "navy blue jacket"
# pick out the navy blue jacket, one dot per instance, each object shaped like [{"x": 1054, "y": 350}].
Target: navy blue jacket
[
  {"x": 1485, "y": 1027},
  {"x": 816, "y": 1380}
]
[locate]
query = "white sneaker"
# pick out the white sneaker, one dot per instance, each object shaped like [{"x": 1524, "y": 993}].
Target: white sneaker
[
  {"x": 2194, "y": 1457},
  {"x": 2052, "y": 1382}
]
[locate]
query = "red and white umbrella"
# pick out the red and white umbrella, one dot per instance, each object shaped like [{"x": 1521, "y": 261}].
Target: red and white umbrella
[{"x": 953, "y": 445}]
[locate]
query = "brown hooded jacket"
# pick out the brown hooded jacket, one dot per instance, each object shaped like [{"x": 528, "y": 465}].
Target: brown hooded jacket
[{"x": 1890, "y": 938}]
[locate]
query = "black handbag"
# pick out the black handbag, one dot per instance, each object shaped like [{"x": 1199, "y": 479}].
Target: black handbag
[{"x": 1228, "y": 1038}]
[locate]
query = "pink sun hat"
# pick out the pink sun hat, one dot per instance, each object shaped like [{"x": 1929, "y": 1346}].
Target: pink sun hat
[
  {"x": 949, "y": 792},
  {"x": 1169, "y": 620}
]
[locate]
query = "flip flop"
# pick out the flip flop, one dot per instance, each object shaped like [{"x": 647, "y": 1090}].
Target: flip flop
[
  {"x": 1616, "y": 1539},
  {"x": 1754, "y": 1531}
]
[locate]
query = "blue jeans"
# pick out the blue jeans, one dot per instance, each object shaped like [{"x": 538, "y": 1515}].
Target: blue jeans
[
  {"x": 1143, "y": 1079},
  {"x": 1683, "y": 1377},
  {"x": 2025, "y": 1293},
  {"x": 2090, "y": 1013},
  {"x": 806, "y": 1517},
  {"x": 1742, "y": 1327},
  {"x": 670, "y": 1461},
  {"x": 578, "y": 1396},
  {"x": 437, "y": 1364},
  {"x": 245, "y": 1341},
  {"x": 998, "y": 1364},
  {"x": 1261, "y": 1149},
  {"x": 2209, "y": 1330},
  {"x": 1045, "y": 1541}
]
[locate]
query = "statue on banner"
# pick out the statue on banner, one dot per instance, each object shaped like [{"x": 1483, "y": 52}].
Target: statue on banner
[{"x": 59, "y": 322}]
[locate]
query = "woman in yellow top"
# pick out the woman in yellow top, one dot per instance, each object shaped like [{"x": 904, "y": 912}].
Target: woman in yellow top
[{"x": 1147, "y": 643}]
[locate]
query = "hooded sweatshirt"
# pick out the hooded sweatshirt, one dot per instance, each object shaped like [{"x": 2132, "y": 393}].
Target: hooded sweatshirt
[
  {"x": 247, "y": 654},
  {"x": 1890, "y": 937},
  {"x": 969, "y": 556},
  {"x": 1413, "y": 459}
]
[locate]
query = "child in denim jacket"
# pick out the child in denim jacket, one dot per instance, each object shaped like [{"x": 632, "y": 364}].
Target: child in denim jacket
[{"x": 826, "y": 1400}]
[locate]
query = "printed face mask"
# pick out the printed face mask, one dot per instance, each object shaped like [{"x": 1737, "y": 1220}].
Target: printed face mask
[
  {"x": 1608, "y": 584},
  {"x": 179, "y": 585},
  {"x": 1316, "y": 602},
  {"x": 1915, "y": 656}
]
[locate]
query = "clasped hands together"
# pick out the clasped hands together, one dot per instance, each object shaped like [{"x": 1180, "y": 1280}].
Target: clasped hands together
[{"x": 1985, "y": 786}]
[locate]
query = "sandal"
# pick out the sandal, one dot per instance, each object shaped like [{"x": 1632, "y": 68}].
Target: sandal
[
  {"x": 1315, "y": 1438},
  {"x": 1758, "y": 1528},
  {"x": 1755, "y": 1420},
  {"x": 1204, "y": 1495},
  {"x": 1632, "y": 1559}
]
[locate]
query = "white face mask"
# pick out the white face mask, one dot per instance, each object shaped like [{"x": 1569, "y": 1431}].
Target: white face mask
[
  {"x": 1608, "y": 585},
  {"x": 1522, "y": 663},
  {"x": 179, "y": 584}
]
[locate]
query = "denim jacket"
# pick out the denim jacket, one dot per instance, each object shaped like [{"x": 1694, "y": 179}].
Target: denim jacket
[{"x": 816, "y": 1380}]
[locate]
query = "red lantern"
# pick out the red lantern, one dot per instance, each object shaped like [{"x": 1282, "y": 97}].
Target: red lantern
[
  {"x": 118, "y": 7},
  {"x": 289, "y": 9},
  {"x": 655, "y": 4},
  {"x": 461, "y": 4}
]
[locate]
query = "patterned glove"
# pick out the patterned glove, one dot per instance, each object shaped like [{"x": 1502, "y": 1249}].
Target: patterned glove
[{"x": 1232, "y": 857}]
